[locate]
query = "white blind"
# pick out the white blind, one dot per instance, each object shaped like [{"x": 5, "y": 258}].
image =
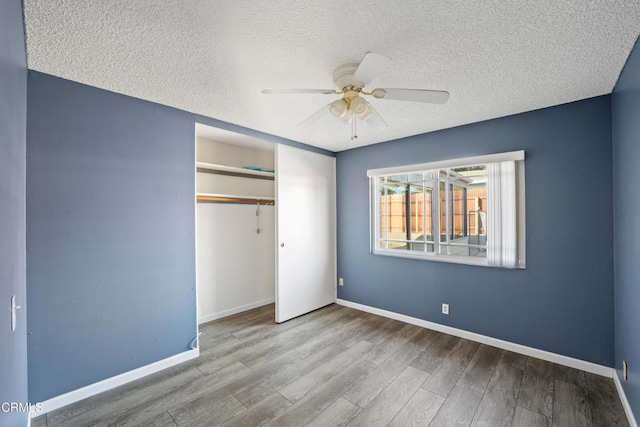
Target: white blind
[{"x": 501, "y": 216}]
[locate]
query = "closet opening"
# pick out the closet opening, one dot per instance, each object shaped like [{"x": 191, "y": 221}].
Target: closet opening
[
  {"x": 235, "y": 222},
  {"x": 265, "y": 225}
]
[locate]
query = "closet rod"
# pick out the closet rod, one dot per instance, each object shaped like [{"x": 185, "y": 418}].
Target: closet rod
[{"x": 235, "y": 200}]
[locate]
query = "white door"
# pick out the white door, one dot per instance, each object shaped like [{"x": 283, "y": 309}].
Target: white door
[{"x": 306, "y": 231}]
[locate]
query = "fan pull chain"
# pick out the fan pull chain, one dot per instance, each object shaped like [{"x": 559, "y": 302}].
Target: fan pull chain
[
  {"x": 354, "y": 131},
  {"x": 258, "y": 216}
]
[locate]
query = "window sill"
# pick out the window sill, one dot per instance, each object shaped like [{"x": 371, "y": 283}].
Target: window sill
[
  {"x": 441, "y": 258},
  {"x": 452, "y": 259}
]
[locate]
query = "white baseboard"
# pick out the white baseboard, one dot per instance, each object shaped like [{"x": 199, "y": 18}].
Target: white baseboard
[
  {"x": 604, "y": 371},
  {"x": 235, "y": 310},
  {"x": 109, "y": 383},
  {"x": 625, "y": 402}
]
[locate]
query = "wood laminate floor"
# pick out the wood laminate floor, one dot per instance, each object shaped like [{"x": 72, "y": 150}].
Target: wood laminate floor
[{"x": 339, "y": 366}]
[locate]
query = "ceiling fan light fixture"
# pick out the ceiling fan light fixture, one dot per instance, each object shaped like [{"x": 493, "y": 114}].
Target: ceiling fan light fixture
[
  {"x": 359, "y": 107},
  {"x": 347, "y": 117},
  {"x": 339, "y": 108},
  {"x": 364, "y": 116},
  {"x": 351, "y": 80}
]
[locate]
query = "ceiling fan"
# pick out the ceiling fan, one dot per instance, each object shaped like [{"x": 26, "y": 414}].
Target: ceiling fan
[{"x": 351, "y": 80}]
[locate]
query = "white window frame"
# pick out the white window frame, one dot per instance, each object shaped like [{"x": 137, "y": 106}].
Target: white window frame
[{"x": 375, "y": 174}]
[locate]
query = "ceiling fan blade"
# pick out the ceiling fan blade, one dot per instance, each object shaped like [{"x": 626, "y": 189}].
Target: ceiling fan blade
[
  {"x": 299, "y": 91},
  {"x": 314, "y": 118},
  {"x": 414, "y": 95},
  {"x": 371, "y": 66},
  {"x": 375, "y": 120}
]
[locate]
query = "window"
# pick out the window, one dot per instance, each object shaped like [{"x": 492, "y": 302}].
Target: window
[{"x": 466, "y": 210}]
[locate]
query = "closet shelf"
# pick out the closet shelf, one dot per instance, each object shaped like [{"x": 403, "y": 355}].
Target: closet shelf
[
  {"x": 233, "y": 170},
  {"x": 231, "y": 198}
]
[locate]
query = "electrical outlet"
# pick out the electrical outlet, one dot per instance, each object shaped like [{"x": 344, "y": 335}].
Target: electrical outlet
[
  {"x": 624, "y": 369},
  {"x": 445, "y": 308},
  {"x": 340, "y": 281}
]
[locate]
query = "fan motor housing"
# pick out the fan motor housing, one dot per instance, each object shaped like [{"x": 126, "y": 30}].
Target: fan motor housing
[{"x": 343, "y": 76}]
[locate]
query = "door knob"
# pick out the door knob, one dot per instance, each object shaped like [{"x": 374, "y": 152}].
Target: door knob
[{"x": 282, "y": 245}]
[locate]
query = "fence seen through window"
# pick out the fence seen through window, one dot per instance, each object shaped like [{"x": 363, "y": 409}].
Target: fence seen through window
[{"x": 408, "y": 215}]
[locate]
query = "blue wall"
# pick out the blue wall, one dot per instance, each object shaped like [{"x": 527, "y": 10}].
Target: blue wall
[
  {"x": 563, "y": 301},
  {"x": 626, "y": 158},
  {"x": 110, "y": 234},
  {"x": 13, "y": 115}
]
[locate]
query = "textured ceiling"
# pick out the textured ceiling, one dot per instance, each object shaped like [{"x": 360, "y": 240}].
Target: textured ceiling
[{"x": 214, "y": 57}]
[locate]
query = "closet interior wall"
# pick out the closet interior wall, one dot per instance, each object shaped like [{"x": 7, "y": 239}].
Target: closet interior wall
[{"x": 235, "y": 262}]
